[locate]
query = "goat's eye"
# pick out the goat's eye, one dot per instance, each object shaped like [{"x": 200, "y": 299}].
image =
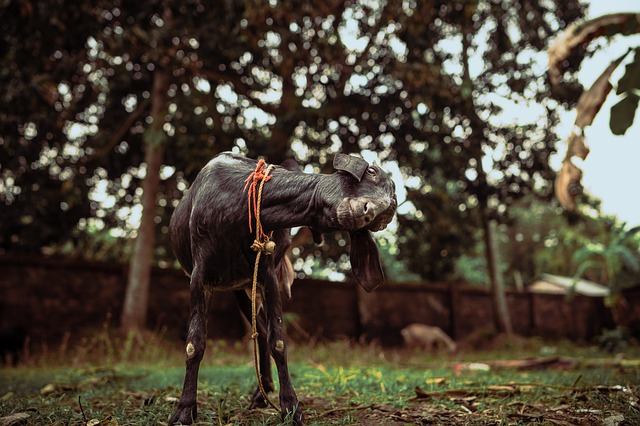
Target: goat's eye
[{"x": 371, "y": 171}]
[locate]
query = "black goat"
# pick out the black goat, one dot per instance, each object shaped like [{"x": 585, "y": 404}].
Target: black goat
[{"x": 211, "y": 239}]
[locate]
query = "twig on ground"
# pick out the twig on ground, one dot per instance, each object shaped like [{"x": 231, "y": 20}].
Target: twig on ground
[
  {"x": 335, "y": 410},
  {"x": 84, "y": 417}
]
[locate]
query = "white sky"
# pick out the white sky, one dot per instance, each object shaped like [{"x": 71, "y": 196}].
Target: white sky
[{"x": 612, "y": 169}]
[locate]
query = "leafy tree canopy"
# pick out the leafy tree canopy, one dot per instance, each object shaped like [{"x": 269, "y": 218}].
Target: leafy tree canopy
[{"x": 425, "y": 85}]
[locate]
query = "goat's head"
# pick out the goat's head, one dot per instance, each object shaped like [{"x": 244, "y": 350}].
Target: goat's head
[
  {"x": 368, "y": 203},
  {"x": 369, "y": 195}
]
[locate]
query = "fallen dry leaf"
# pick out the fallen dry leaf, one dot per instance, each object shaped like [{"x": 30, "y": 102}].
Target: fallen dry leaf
[
  {"x": 59, "y": 387},
  {"x": 13, "y": 419},
  {"x": 453, "y": 393},
  {"x": 503, "y": 388},
  {"x": 436, "y": 381}
]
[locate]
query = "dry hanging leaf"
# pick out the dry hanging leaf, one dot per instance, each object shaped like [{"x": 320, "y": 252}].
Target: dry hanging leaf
[
  {"x": 576, "y": 146},
  {"x": 575, "y": 35},
  {"x": 567, "y": 185},
  {"x": 568, "y": 182},
  {"x": 591, "y": 100}
]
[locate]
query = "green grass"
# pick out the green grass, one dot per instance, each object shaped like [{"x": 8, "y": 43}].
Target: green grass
[{"x": 120, "y": 381}]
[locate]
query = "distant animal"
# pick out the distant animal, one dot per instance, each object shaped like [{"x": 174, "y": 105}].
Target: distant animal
[
  {"x": 211, "y": 237},
  {"x": 11, "y": 344},
  {"x": 427, "y": 337}
]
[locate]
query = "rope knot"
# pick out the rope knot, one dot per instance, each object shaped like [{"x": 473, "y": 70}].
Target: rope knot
[
  {"x": 268, "y": 247},
  {"x": 257, "y": 246}
]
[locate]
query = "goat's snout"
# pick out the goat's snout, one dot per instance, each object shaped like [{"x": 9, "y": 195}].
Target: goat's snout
[
  {"x": 363, "y": 209},
  {"x": 357, "y": 213},
  {"x": 366, "y": 209}
]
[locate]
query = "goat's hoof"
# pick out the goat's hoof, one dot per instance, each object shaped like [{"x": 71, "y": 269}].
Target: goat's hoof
[
  {"x": 257, "y": 400},
  {"x": 295, "y": 417},
  {"x": 184, "y": 415}
]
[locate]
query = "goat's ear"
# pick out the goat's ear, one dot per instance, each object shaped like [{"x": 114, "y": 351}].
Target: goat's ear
[
  {"x": 365, "y": 262},
  {"x": 355, "y": 166}
]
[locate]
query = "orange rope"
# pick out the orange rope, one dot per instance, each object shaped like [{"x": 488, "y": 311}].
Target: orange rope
[{"x": 260, "y": 174}]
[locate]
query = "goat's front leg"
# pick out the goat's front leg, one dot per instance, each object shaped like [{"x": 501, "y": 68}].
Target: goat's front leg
[
  {"x": 278, "y": 347},
  {"x": 244, "y": 303},
  {"x": 187, "y": 409}
]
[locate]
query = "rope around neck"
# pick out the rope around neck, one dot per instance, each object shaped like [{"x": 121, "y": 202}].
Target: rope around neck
[{"x": 261, "y": 244}]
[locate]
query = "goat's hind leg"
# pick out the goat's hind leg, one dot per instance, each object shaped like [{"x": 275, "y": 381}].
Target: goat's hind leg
[
  {"x": 244, "y": 303},
  {"x": 187, "y": 409}
]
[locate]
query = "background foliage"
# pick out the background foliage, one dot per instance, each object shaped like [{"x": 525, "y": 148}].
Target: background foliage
[{"x": 428, "y": 86}]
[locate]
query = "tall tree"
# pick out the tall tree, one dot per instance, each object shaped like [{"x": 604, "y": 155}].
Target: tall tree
[
  {"x": 136, "y": 299},
  {"x": 497, "y": 69},
  {"x": 159, "y": 42}
]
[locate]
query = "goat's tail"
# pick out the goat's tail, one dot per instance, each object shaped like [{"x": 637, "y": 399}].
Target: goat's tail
[{"x": 180, "y": 235}]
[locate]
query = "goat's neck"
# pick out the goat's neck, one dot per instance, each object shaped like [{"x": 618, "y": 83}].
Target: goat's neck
[{"x": 299, "y": 199}]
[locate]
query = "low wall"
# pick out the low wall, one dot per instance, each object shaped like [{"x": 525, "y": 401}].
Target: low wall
[{"x": 49, "y": 297}]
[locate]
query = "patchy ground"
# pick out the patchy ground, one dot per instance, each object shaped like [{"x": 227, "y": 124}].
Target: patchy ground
[{"x": 338, "y": 383}]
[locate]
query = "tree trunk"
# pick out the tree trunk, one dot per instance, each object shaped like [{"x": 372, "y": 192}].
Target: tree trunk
[
  {"x": 498, "y": 296},
  {"x": 501, "y": 313},
  {"x": 136, "y": 300}
]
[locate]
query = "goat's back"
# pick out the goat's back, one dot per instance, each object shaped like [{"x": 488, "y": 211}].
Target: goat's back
[{"x": 215, "y": 204}]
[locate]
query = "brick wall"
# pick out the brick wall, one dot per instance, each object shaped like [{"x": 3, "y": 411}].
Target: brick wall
[{"x": 52, "y": 296}]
